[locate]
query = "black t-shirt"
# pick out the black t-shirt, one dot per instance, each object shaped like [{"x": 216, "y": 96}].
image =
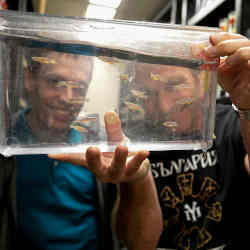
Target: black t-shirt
[
  {"x": 204, "y": 195},
  {"x": 7, "y": 203}
]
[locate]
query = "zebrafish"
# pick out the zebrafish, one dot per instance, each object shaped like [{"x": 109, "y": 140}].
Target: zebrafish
[
  {"x": 170, "y": 124},
  {"x": 139, "y": 94},
  {"x": 134, "y": 107},
  {"x": 44, "y": 60},
  {"x": 79, "y": 128}
]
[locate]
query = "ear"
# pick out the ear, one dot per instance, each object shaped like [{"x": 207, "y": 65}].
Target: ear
[{"x": 28, "y": 80}]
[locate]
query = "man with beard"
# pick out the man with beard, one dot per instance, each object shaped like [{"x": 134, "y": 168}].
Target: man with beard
[
  {"x": 62, "y": 205},
  {"x": 202, "y": 194},
  {"x": 173, "y": 98}
]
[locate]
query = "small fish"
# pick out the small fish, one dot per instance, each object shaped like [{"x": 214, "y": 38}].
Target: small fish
[
  {"x": 124, "y": 77},
  {"x": 170, "y": 124},
  {"x": 86, "y": 119},
  {"x": 77, "y": 101},
  {"x": 107, "y": 59},
  {"x": 185, "y": 101},
  {"x": 44, "y": 60},
  {"x": 79, "y": 128},
  {"x": 61, "y": 84},
  {"x": 134, "y": 107},
  {"x": 23, "y": 103},
  {"x": 155, "y": 77},
  {"x": 139, "y": 94},
  {"x": 182, "y": 86}
]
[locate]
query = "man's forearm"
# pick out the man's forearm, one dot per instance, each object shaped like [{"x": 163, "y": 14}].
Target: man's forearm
[{"x": 139, "y": 217}]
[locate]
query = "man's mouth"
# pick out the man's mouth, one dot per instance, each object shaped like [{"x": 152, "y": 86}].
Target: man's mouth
[{"x": 64, "y": 114}]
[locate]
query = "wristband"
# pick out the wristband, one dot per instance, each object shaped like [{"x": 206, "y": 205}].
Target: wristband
[{"x": 243, "y": 114}]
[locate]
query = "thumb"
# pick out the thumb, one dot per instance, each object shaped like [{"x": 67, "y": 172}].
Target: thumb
[
  {"x": 113, "y": 127},
  {"x": 73, "y": 158}
]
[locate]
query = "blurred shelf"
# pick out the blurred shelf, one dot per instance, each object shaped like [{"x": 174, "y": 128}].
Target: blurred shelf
[{"x": 205, "y": 11}]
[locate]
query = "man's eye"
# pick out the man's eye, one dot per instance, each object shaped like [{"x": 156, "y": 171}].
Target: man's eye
[
  {"x": 61, "y": 84},
  {"x": 52, "y": 81}
]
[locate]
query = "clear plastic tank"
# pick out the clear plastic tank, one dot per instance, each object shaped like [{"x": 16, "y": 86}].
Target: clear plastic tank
[{"x": 59, "y": 76}]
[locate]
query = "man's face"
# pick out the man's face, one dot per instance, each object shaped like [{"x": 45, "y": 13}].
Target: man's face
[
  {"x": 172, "y": 94},
  {"x": 58, "y": 89}
]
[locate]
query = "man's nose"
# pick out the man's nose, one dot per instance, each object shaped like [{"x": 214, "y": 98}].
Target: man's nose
[
  {"x": 164, "y": 101},
  {"x": 67, "y": 94}
]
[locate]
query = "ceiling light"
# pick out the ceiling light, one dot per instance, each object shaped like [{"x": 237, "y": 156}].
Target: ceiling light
[
  {"x": 95, "y": 11},
  {"x": 109, "y": 3}
]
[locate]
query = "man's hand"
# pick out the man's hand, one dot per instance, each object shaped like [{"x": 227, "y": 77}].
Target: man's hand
[
  {"x": 137, "y": 216},
  {"x": 234, "y": 70},
  {"x": 234, "y": 75},
  {"x": 116, "y": 167}
]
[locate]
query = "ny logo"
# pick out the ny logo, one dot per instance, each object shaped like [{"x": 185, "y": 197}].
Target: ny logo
[{"x": 192, "y": 213}]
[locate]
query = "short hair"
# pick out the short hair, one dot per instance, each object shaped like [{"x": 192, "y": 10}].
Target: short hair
[
  {"x": 146, "y": 68},
  {"x": 32, "y": 54}
]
